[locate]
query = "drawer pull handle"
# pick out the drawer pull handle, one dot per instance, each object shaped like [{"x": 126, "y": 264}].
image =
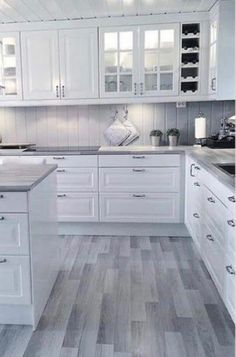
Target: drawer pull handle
[
  {"x": 2, "y": 218},
  {"x": 139, "y": 157},
  {"x": 191, "y": 170},
  {"x": 139, "y": 196},
  {"x": 209, "y": 237},
  {"x": 211, "y": 199},
  {"x": 197, "y": 168},
  {"x": 231, "y": 223},
  {"x": 58, "y": 158},
  {"x": 196, "y": 215},
  {"x": 230, "y": 269},
  {"x": 61, "y": 196},
  {"x": 1, "y": 196},
  {"x": 232, "y": 199},
  {"x": 139, "y": 170},
  {"x": 197, "y": 184},
  {"x": 3, "y": 261},
  {"x": 61, "y": 170}
]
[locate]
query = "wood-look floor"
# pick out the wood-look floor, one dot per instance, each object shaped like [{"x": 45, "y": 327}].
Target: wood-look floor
[{"x": 128, "y": 297}]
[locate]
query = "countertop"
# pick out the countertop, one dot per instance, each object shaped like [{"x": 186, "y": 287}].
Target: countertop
[
  {"x": 207, "y": 158},
  {"x": 22, "y": 178}
]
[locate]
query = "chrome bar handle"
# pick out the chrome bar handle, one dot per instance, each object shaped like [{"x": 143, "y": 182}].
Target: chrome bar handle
[
  {"x": 138, "y": 157},
  {"x": 61, "y": 170},
  {"x": 139, "y": 195},
  {"x": 141, "y": 88},
  {"x": 57, "y": 91},
  {"x": 135, "y": 88},
  {"x": 191, "y": 170},
  {"x": 230, "y": 269},
  {"x": 58, "y": 158},
  {"x": 61, "y": 195},
  {"x": 139, "y": 170},
  {"x": 63, "y": 91}
]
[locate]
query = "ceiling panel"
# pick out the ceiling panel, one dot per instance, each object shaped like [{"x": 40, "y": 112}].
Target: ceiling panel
[{"x": 45, "y": 10}]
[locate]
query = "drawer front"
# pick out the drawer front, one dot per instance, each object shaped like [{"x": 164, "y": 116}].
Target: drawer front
[
  {"x": 139, "y": 179},
  {"x": 162, "y": 160},
  {"x": 129, "y": 207},
  {"x": 73, "y": 160},
  {"x": 14, "y": 234},
  {"x": 15, "y": 280},
  {"x": 230, "y": 284},
  {"x": 78, "y": 180},
  {"x": 77, "y": 207},
  {"x": 13, "y": 202}
]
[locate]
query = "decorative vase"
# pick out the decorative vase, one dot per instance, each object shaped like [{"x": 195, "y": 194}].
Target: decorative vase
[
  {"x": 155, "y": 140},
  {"x": 173, "y": 140}
]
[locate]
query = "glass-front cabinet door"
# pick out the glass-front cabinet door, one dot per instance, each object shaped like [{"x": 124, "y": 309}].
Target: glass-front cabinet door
[
  {"x": 159, "y": 56},
  {"x": 10, "y": 67},
  {"x": 118, "y": 62}
]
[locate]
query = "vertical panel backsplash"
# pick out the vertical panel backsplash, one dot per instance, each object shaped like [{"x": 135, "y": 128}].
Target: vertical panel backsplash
[{"x": 85, "y": 125}]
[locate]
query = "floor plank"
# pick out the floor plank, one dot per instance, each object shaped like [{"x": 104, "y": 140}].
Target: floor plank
[{"x": 128, "y": 297}]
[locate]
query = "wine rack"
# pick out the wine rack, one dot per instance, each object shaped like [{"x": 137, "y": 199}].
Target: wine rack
[{"x": 190, "y": 58}]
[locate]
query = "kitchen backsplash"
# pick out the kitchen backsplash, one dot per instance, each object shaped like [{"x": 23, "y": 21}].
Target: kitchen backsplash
[{"x": 84, "y": 125}]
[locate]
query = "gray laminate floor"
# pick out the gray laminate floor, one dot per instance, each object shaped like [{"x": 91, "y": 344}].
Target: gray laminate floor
[{"x": 128, "y": 297}]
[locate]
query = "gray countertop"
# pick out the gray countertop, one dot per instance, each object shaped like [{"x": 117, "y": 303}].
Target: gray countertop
[
  {"x": 207, "y": 158},
  {"x": 18, "y": 178}
]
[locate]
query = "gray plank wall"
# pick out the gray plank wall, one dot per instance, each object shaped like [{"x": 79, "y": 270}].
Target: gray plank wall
[{"x": 84, "y": 125}]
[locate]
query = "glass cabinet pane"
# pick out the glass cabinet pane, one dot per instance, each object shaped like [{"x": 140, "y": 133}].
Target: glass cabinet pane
[
  {"x": 8, "y": 66},
  {"x": 166, "y": 60},
  {"x": 166, "y": 38},
  {"x": 111, "y": 41},
  {"x": 126, "y": 40},
  {"x": 126, "y": 61},
  {"x": 150, "y": 61},
  {"x": 151, "y": 82},
  {"x": 111, "y": 62},
  {"x": 111, "y": 83},
  {"x": 166, "y": 81},
  {"x": 126, "y": 83},
  {"x": 151, "y": 39}
]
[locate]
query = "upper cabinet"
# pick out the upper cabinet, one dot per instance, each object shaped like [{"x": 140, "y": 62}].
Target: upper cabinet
[
  {"x": 60, "y": 64},
  {"x": 10, "y": 67},
  {"x": 139, "y": 60},
  {"x": 40, "y": 65},
  {"x": 222, "y": 51}
]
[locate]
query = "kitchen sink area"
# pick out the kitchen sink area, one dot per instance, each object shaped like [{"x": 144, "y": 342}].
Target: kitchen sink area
[{"x": 228, "y": 168}]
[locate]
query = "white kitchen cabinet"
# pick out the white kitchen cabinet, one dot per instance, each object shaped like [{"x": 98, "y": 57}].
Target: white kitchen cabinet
[
  {"x": 15, "y": 280},
  {"x": 40, "y": 65},
  {"x": 222, "y": 51},
  {"x": 10, "y": 66},
  {"x": 77, "y": 179},
  {"x": 14, "y": 234},
  {"x": 79, "y": 63},
  {"x": 230, "y": 283},
  {"x": 140, "y": 160},
  {"x": 139, "y": 207},
  {"x": 77, "y": 207},
  {"x": 159, "y": 59},
  {"x": 139, "y": 61},
  {"x": 136, "y": 179},
  {"x": 11, "y": 202}
]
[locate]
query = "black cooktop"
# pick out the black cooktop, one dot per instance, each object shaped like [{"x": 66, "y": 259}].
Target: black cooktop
[{"x": 48, "y": 149}]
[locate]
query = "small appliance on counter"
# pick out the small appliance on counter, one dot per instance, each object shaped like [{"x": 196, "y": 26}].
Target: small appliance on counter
[{"x": 225, "y": 139}]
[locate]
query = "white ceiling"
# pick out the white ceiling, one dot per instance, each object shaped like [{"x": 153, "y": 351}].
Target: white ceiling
[{"x": 47, "y": 10}]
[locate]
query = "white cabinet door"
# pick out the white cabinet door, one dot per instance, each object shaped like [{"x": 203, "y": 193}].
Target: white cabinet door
[
  {"x": 79, "y": 63},
  {"x": 40, "y": 65},
  {"x": 10, "y": 66},
  {"x": 139, "y": 179},
  {"x": 131, "y": 207},
  {"x": 213, "y": 56},
  {"x": 14, "y": 280},
  {"x": 119, "y": 61},
  {"x": 77, "y": 207},
  {"x": 14, "y": 234},
  {"x": 77, "y": 180},
  {"x": 159, "y": 55}
]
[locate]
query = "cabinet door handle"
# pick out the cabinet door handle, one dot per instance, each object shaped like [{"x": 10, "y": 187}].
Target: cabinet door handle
[
  {"x": 61, "y": 170},
  {"x": 1, "y": 196},
  {"x": 231, "y": 223},
  {"x": 3, "y": 261},
  {"x": 61, "y": 195},
  {"x": 2, "y": 218},
  {"x": 139, "y": 196},
  {"x": 196, "y": 215},
  {"x": 213, "y": 84},
  {"x": 58, "y": 158},
  {"x": 63, "y": 91},
  {"x": 57, "y": 92},
  {"x": 209, "y": 237},
  {"x": 230, "y": 269},
  {"x": 135, "y": 88},
  {"x": 141, "y": 88},
  {"x": 139, "y": 170},
  {"x": 139, "y": 157},
  {"x": 191, "y": 170},
  {"x": 197, "y": 184},
  {"x": 232, "y": 199},
  {"x": 211, "y": 199}
]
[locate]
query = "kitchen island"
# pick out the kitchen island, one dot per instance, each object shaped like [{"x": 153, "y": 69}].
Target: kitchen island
[{"x": 29, "y": 245}]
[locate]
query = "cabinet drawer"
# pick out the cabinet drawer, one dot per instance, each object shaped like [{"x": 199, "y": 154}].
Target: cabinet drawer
[
  {"x": 14, "y": 234},
  {"x": 14, "y": 280},
  {"x": 77, "y": 207},
  {"x": 139, "y": 179},
  {"x": 139, "y": 160},
  {"x": 77, "y": 179},
  {"x": 130, "y": 207},
  {"x": 13, "y": 202},
  {"x": 73, "y": 160}
]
